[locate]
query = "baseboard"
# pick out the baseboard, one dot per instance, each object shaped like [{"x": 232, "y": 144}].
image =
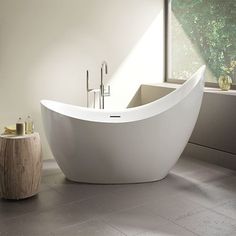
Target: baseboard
[{"x": 213, "y": 156}]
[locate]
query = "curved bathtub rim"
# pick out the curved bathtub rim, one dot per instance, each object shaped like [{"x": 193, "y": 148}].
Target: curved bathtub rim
[{"x": 132, "y": 114}]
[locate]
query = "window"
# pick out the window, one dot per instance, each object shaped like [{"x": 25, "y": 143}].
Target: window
[{"x": 201, "y": 32}]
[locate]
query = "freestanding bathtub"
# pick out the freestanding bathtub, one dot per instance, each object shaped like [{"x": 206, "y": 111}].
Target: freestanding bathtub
[{"x": 132, "y": 145}]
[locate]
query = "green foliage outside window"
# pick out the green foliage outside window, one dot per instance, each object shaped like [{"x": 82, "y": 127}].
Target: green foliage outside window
[{"x": 211, "y": 27}]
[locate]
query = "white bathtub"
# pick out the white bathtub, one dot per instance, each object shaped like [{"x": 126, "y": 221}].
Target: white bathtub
[{"x": 132, "y": 145}]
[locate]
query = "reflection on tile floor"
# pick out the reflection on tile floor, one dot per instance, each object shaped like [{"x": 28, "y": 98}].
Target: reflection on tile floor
[{"x": 196, "y": 198}]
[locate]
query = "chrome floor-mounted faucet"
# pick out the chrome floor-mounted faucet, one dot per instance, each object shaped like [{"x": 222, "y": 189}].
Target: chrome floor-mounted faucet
[{"x": 102, "y": 91}]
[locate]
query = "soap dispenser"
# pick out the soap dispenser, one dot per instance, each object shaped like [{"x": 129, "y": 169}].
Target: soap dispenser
[
  {"x": 20, "y": 127},
  {"x": 29, "y": 125}
]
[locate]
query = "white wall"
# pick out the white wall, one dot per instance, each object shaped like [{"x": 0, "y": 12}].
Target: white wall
[{"x": 47, "y": 45}]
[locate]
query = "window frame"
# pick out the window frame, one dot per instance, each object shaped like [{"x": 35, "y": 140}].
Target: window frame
[{"x": 167, "y": 52}]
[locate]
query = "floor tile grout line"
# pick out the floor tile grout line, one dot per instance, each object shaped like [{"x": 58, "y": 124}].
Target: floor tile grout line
[
  {"x": 84, "y": 199},
  {"x": 87, "y": 221},
  {"x": 114, "y": 227},
  {"x": 174, "y": 222},
  {"x": 168, "y": 220},
  {"x": 112, "y": 212},
  {"x": 202, "y": 212},
  {"x": 69, "y": 226},
  {"x": 45, "y": 210},
  {"x": 219, "y": 213},
  {"x": 101, "y": 194},
  {"x": 187, "y": 229},
  {"x": 204, "y": 206},
  {"x": 214, "y": 206},
  {"x": 71, "y": 202},
  {"x": 38, "y": 211}
]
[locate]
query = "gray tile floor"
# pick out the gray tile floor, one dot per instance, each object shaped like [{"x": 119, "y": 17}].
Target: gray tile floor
[{"x": 196, "y": 198}]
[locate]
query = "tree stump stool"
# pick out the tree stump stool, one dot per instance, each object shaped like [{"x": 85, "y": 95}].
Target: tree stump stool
[{"x": 20, "y": 166}]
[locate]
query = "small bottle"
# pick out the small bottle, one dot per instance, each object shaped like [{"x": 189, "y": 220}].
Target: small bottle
[
  {"x": 29, "y": 125},
  {"x": 225, "y": 82},
  {"x": 20, "y": 127}
]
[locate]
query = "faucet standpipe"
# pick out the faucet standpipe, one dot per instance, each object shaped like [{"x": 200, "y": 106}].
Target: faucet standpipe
[
  {"x": 103, "y": 92},
  {"x": 87, "y": 87}
]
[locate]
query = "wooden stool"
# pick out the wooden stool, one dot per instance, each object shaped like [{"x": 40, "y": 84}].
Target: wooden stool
[{"x": 20, "y": 166}]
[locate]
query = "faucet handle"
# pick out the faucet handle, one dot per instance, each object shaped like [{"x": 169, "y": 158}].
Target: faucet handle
[{"x": 107, "y": 92}]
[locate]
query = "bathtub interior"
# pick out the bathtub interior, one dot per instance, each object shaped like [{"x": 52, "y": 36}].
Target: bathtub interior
[{"x": 149, "y": 93}]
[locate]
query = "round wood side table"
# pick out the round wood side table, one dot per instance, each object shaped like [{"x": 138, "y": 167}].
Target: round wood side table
[{"x": 20, "y": 166}]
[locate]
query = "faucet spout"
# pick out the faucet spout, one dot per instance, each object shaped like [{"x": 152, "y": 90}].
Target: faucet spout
[{"x": 104, "y": 64}]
